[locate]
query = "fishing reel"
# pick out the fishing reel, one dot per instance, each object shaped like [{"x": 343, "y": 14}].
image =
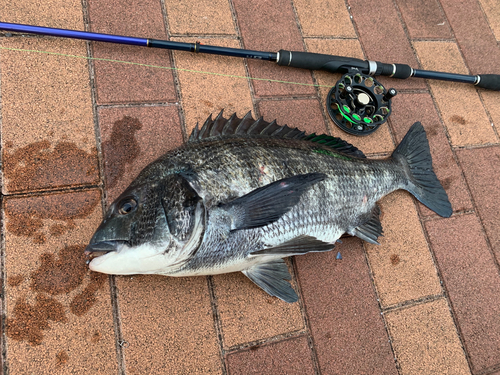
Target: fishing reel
[{"x": 358, "y": 104}]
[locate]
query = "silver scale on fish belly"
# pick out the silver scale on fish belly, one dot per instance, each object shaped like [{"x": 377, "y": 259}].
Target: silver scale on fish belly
[{"x": 243, "y": 194}]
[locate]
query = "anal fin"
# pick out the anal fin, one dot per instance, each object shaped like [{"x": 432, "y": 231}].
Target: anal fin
[
  {"x": 272, "y": 278},
  {"x": 371, "y": 230}
]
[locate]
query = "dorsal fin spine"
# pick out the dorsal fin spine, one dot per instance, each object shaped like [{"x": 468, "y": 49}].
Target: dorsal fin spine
[{"x": 250, "y": 127}]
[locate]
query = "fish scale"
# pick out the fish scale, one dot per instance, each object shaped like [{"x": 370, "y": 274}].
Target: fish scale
[{"x": 241, "y": 195}]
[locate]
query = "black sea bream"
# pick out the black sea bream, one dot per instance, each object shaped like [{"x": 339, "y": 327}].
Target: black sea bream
[{"x": 241, "y": 195}]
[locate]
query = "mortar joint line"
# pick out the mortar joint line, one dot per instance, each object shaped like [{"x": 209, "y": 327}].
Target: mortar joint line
[
  {"x": 115, "y": 308},
  {"x": 217, "y": 323},
  {"x": 305, "y": 318}
]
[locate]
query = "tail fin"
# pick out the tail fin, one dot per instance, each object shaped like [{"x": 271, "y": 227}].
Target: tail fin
[{"x": 414, "y": 154}]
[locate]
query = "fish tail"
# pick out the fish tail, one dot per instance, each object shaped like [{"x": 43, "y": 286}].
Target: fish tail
[{"x": 414, "y": 154}]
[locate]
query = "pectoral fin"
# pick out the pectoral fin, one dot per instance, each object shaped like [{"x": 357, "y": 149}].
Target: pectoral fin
[
  {"x": 267, "y": 204},
  {"x": 272, "y": 277}
]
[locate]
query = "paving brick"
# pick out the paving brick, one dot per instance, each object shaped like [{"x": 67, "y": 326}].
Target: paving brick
[
  {"x": 248, "y": 313},
  {"x": 402, "y": 265},
  {"x": 133, "y": 137},
  {"x": 409, "y": 108},
  {"x": 491, "y": 9},
  {"x": 374, "y": 18},
  {"x": 276, "y": 35},
  {"x": 223, "y": 87},
  {"x": 424, "y": 19},
  {"x": 127, "y": 18},
  {"x": 167, "y": 324},
  {"x": 490, "y": 101},
  {"x": 473, "y": 284},
  {"x": 425, "y": 340},
  {"x": 200, "y": 17},
  {"x": 292, "y": 356},
  {"x": 481, "y": 168},
  {"x": 69, "y": 13},
  {"x": 304, "y": 114},
  {"x": 347, "y": 328},
  {"x": 325, "y": 18},
  {"x": 473, "y": 36},
  {"x": 118, "y": 82},
  {"x": 47, "y": 124},
  {"x": 461, "y": 110},
  {"x": 377, "y": 142},
  {"x": 58, "y": 314}
]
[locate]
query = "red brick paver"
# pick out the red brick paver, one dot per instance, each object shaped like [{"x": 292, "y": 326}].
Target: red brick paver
[{"x": 79, "y": 120}]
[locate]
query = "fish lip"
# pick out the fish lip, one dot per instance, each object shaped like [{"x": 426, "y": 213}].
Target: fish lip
[{"x": 104, "y": 246}]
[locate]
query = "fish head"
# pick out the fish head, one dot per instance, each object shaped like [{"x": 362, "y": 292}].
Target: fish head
[{"x": 151, "y": 228}]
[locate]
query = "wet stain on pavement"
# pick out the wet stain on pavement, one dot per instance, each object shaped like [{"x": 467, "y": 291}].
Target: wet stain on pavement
[
  {"x": 61, "y": 358},
  {"x": 42, "y": 165},
  {"x": 96, "y": 337},
  {"x": 395, "y": 259},
  {"x": 15, "y": 280},
  {"x": 122, "y": 149},
  {"x": 458, "y": 120},
  {"x": 446, "y": 182},
  {"x": 56, "y": 275},
  {"x": 31, "y": 320},
  {"x": 61, "y": 275},
  {"x": 25, "y": 216},
  {"x": 86, "y": 299}
]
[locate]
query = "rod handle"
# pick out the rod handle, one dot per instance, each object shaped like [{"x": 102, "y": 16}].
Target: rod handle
[
  {"x": 489, "y": 81},
  {"x": 318, "y": 61}
]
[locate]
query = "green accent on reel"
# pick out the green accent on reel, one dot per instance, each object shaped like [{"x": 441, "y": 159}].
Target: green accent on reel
[
  {"x": 355, "y": 116},
  {"x": 367, "y": 120}
]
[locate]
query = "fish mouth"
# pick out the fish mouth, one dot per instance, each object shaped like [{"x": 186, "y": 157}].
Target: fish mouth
[{"x": 101, "y": 248}]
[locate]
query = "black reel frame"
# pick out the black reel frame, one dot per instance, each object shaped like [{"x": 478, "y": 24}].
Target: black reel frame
[{"x": 358, "y": 104}]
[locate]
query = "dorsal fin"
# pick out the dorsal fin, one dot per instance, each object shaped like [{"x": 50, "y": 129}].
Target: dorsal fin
[{"x": 248, "y": 126}]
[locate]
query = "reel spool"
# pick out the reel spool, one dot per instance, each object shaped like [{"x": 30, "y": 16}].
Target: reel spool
[{"x": 358, "y": 104}]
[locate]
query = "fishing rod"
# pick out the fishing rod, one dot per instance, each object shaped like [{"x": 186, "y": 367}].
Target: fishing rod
[{"x": 358, "y": 104}]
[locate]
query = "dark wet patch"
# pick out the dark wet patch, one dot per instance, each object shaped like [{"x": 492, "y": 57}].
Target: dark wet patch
[
  {"x": 57, "y": 274},
  {"x": 86, "y": 299},
  {"x": 61, "y": 358},
  {"x": 122, "y": 149},
  {"x": 96, "y": 337},
  {"x": 61, "y": 275},
  {"x": 395, "y": 259},
  {"x": 15, "y": 280},
  {"x": 433, "y": 130},
  {"x": 29, "y": 321},
  {"x": 458, "y": 120},
  {"x": 42, "y": 165},
  {"x": 25, "y": 215},
  {"x": 446, "y": 183}
]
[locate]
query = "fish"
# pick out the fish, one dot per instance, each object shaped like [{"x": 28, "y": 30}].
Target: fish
[{"x": 241, "y": 195}]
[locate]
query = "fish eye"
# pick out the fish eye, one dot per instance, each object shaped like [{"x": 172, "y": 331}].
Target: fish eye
[{"x": 127, "y": 205}]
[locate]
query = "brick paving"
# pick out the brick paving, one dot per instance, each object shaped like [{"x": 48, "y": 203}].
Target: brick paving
[{"x": 76, "y": 131}]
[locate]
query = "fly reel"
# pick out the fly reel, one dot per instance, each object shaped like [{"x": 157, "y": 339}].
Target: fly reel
[{"x": 358, "y": 104}]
